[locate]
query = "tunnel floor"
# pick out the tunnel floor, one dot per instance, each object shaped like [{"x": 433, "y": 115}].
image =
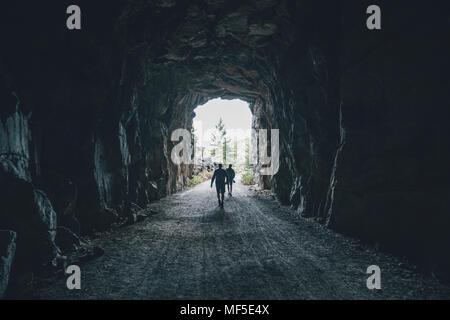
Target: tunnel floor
[{"x": 254, "y": 249}]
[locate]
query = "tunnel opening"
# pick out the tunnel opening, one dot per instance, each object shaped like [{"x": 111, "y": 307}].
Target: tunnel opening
[{"x": 222, "y": 134}]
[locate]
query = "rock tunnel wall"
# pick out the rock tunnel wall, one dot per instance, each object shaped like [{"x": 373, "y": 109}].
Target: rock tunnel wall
[
  {"x": 390, "y": 179},
  {"x": 86, "y": 116},
  {"x": 378, "y": 172}
]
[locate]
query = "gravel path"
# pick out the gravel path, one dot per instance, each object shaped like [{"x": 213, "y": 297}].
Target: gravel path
[{"x": 253, "y": 249}]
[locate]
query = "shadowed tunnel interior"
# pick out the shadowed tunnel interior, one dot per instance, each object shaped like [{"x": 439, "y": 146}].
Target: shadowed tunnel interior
[{"x": 86, "y": 115}]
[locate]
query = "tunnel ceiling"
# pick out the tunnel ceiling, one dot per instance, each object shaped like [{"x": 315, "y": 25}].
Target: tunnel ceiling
[{"x": 220, "y": 47}]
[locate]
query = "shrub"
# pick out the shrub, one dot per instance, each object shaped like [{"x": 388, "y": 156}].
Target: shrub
[
  {"x": 247, "y": 178},
  {"x": 199, "y": 178},
  {"x": 207, "y": 174}
]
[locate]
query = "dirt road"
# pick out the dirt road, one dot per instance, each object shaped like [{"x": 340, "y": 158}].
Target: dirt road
[{"x": 253, "y": 249}]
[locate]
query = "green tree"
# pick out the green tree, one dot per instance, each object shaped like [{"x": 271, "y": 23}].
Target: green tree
[
  {"x": 226, "y": 147},
  {"x": 219, "y": 142},
  {"x": 247, "y": 153},
  {"x": 233, "y": 152}
]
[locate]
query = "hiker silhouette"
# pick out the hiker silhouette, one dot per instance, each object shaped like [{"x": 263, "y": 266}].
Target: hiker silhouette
[
  {"x": 221, "y": 178},
  {"x": 230, "y": 175}
]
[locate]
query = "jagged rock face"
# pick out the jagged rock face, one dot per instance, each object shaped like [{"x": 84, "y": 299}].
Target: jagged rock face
[
  {"x": 387, "y": 184},
  {"x": 102, "y": 103},
  {"x": 7, "y": 251},
  {"x": 24, "y": 209},
  {"x": 28, "y": 211},
  {"x": 66, "y": 240}
]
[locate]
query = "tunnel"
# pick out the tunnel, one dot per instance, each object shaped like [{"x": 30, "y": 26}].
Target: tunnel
[{"x": 86, "y": 117}]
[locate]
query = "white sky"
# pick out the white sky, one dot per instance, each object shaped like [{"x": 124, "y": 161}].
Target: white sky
[{"x": 235, "y": 114}]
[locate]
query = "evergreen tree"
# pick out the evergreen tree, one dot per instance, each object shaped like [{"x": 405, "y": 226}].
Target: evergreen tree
[
  {"x": 247, "y": 153},
  {"x": 219, "y": 142},
  {"x": 233, "y": 153},
  {"x": 226, "y": 146}
]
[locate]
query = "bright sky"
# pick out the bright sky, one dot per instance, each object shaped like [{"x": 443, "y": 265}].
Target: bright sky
[{"x": 235, "y": 114}]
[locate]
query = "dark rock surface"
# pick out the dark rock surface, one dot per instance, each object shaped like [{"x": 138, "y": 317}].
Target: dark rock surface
[
  {"x": 28, "y": 212},
  {"x": 24, "y": 209},
  {"x": 390, "y": 182},
  {"x": 66, "y": 240},
  {"x": 362, "y": 115},
  {"x": 7, "y": 251}
]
